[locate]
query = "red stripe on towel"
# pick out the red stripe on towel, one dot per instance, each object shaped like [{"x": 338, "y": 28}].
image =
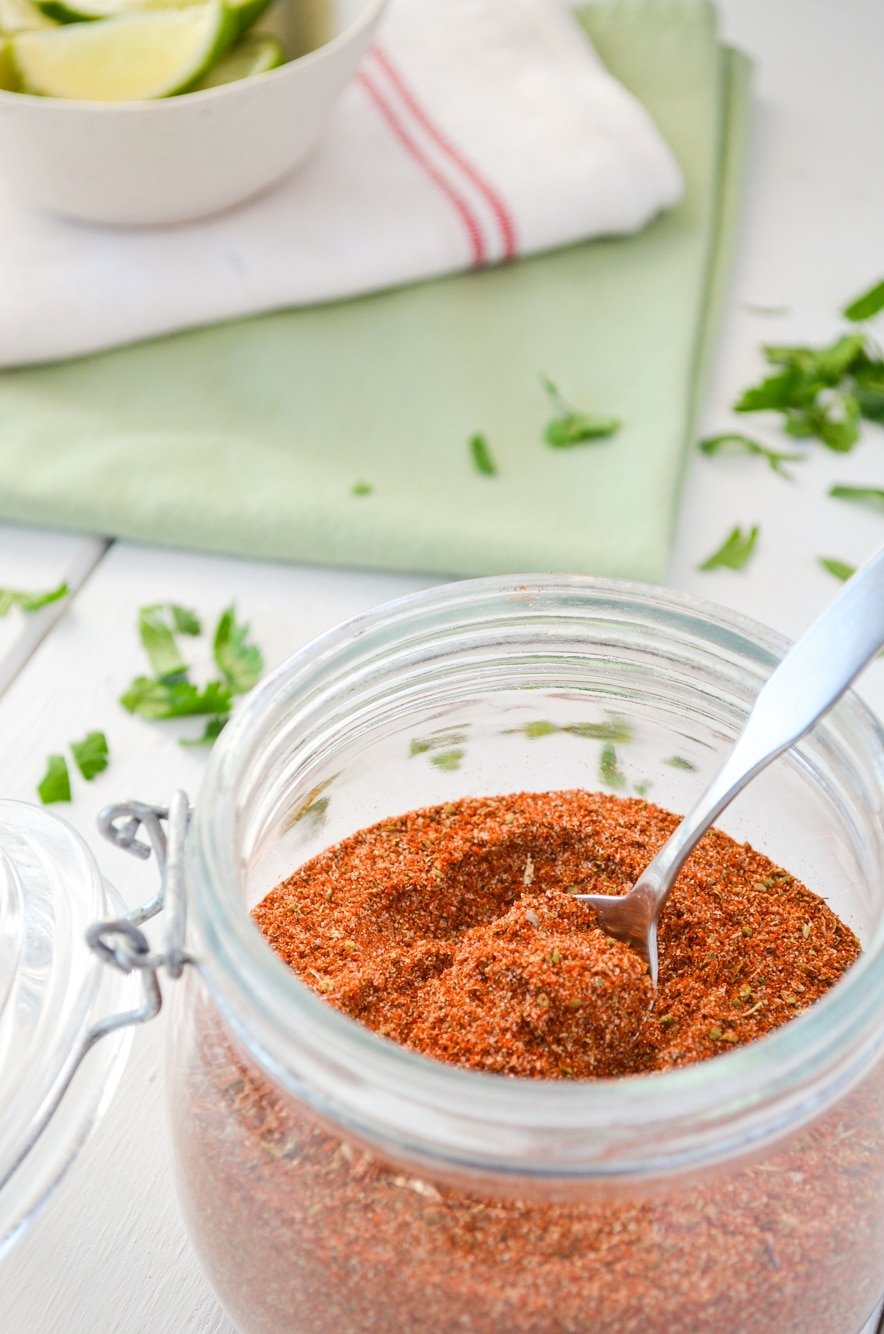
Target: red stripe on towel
[
  {"x": 498, "y": 207},
  {"x": 469, "y": 219}
]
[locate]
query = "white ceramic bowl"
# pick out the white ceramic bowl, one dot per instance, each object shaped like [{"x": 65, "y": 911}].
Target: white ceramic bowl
[{"x": 183, "y": 157}]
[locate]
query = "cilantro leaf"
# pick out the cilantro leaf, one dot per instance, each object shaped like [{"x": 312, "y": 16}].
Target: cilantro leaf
[
  {"x": 240, "y": 662},
  {"x": 91, "y": 754},
  {"x": 775, "y": 458},
  {"x": 483, "y": 460},
  {"x": 186, "y": 622},
  {"x": 211, "y": 732},
  {"x": 775, "y": 393},
  {"x": 819, "y": 366},
  {"x": 868, "y": 304},
  {"x": 871, "y": 495},
  {"x": 735, "y": 550},
  {"x": 55, "y": 785},
  {"x": 839, "y": 568},
  {"x": 817, "y": 390},
  {"x": 152, "y": 698},
  {"x": 572, "y": 427},
  {"x": 15, "y": 597},
  {"x": 869, "y": 390},
  {"x": 833, "y": 418},
  {"x": 158, "y": 642},
  {"x": 362, "y": 489}
]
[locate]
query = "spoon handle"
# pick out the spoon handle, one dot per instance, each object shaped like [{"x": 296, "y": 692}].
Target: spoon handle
[{"x": 811, "y": 677}]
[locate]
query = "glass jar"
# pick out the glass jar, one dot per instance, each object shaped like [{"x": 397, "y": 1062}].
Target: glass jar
[{"x": 333, "y": 1181}]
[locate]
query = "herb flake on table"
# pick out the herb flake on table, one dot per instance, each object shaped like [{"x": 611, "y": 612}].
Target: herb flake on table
[
  {"x": 867, "y": 495},
  {"x": 157, "y": 699},
  {"x": 170, "y": 693},
  {"x": 239, "y": 662},
  {"x": 158, "y": 636},
  {"x": 55, "y": 785},
  {"x": 362, "y": 489},
  {"x": 775, "y": 458},
  {"x": 571, "y": 426},
  {"x": 735, "y": 551},
  {"x": 822, "y": 392},
  {"x": 91, "y": 754},
  {"x": 868, "y": 304},
  {"x": 839, "y": 568},
  {"x": 483, "y": 459},
  {"x": 16, "y": 597}
]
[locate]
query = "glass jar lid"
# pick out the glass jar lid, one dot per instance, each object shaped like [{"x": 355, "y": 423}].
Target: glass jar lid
[{"x": 56, "y": 999}]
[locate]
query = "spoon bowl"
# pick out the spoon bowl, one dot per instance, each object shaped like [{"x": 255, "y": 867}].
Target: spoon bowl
[{"x": 812, "y": 677}]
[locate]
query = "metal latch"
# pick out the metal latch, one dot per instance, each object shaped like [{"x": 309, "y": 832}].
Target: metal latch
[{"x": 121, "y": 942}]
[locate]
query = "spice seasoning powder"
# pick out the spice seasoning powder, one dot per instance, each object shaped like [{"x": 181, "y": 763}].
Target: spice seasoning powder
[{"x": 454, "y": 931}]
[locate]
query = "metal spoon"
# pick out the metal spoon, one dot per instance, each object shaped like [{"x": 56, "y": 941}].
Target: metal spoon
[{"x": 813, "y": 675}]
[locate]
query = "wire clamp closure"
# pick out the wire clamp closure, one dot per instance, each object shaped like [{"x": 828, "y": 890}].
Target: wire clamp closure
[{"x": 121, "y": 942}]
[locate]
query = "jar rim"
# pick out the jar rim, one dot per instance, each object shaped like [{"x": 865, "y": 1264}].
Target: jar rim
[{"x": 746, "y": 1095}]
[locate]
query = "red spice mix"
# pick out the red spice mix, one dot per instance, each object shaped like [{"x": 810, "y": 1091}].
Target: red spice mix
[{"x": 454, "y": 931}]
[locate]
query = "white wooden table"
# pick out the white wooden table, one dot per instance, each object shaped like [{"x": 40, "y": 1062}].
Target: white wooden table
[{"x": 110, "y": 1255}]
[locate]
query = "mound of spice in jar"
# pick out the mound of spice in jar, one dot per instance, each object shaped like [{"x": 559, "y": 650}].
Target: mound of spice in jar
[{"x": 454, "y": 931}]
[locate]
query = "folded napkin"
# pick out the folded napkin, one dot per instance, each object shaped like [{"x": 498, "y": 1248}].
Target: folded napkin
[
  {"x": 249, "y": 437},
  {"x": 476, "y": 131}
]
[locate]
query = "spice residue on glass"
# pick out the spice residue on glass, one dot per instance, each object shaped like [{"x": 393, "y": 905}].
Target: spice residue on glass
[{"x": 453, "y": 931}]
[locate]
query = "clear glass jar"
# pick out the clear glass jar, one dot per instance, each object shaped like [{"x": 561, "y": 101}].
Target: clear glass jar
[{"x": 333, "y": 1181}]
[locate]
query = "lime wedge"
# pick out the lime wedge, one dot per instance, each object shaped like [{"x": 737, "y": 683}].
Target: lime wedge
[
  {"x": 21, "y": 16},
  {"x": 255, "y": 54},
  {"x": 75, "y": 11},
  {"x": 244, "y": 12},
  {"x": 8, "y": 80},
  {"x": 129, "y": 58}
]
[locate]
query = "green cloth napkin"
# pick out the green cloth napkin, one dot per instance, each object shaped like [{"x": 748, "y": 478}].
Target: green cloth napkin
[{"x": 249, "y": 437}]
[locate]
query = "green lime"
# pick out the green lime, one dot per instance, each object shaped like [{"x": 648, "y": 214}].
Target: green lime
[
  {"x": 243, "y": 12},
  {"x": 128, "y": 58},
  {"x": 255, "y": 54},
  {"x": 21, "y": 16},
  {"x": 8, "y": 80},
  {"x": 78, "y": 10}
]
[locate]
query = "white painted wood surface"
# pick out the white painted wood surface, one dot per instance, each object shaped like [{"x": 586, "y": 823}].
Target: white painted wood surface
[
  {"x": 109, "y": 1255},
  {"x": 35, "y": 560},
  {"x": 112, "y": 1239},
  {"x": 811, "y": 237}
]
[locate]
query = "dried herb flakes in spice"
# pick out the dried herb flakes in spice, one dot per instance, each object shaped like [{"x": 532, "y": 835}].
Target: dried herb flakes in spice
[{"x": 466, "y": 943}]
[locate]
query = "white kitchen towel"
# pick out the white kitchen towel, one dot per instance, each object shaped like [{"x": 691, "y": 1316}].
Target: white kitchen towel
[{"x": 476, "y": 131}]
